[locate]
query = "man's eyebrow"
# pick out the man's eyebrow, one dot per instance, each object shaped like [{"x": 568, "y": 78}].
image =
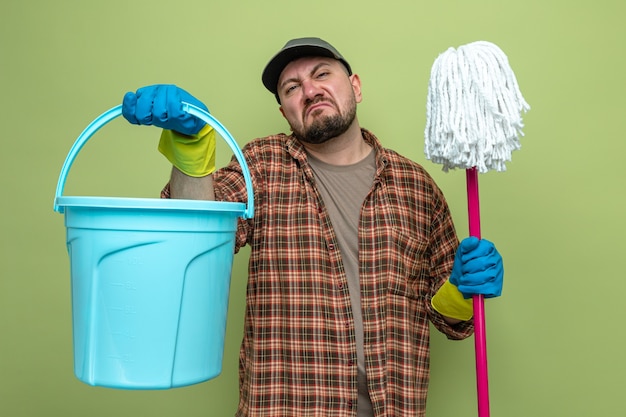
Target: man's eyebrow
[
  {"x": 287, "y": 81},
  {"x": 295, "y": 79}
]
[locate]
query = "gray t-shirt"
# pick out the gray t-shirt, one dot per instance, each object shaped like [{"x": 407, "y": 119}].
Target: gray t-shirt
[{"x": 343, "y": 189}]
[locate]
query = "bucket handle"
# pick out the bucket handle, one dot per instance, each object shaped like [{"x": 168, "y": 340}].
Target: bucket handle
[{"x": 116, "y": 111}]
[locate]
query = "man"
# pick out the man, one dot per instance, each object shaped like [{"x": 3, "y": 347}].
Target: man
[{"x": 353, "y": 246}]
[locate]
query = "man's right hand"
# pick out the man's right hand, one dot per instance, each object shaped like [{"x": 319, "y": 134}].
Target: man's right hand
[{"x": 161, "y": 105}]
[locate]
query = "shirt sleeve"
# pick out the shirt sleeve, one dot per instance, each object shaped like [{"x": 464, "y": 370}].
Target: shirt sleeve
[
  {"x": 444, "y": 243},
  {"x": 230, "y": 185}
]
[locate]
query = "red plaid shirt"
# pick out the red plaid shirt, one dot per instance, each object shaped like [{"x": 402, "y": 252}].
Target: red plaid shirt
[{"x": 298, "y": 355}]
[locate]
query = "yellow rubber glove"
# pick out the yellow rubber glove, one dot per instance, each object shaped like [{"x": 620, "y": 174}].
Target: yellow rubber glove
[
  {"x": 449, "y": 301},
  {"x": 194, "y": 155}
]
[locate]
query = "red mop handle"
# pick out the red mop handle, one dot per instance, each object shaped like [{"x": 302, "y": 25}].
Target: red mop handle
[{"x": 480, "y": 338}]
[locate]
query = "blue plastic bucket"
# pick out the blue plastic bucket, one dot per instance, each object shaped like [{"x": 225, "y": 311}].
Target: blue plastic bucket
[{"x": 150, "y": 279}]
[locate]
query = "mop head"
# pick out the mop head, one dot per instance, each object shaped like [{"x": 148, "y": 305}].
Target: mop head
[{"x": 474, "y": 109}]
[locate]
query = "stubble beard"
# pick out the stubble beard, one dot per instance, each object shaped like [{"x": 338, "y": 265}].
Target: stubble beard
[{"x": 327, "y": 127}]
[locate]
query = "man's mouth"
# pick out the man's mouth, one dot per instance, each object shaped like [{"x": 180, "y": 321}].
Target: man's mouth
[{"x": 318, "y": 105}]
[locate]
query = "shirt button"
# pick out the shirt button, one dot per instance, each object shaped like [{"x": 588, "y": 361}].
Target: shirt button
[
  {"x": 350, "y": 362},
  {"x": 331, "y": 246},
  {"x": 350, "y": 403}
]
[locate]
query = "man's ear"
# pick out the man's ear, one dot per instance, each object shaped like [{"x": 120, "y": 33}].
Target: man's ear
[
  {"x": 282, "y": 111},
  {"x": 356, "y": 87}
]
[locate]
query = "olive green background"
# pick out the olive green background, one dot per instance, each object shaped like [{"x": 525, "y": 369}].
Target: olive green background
[{"x": 555, "y": 338}]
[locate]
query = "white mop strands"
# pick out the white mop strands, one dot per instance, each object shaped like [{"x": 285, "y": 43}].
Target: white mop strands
[{"x": 473, "y": 108}]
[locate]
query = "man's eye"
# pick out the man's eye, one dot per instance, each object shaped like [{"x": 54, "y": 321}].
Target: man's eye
[
  {"x": 290, "y": 88},
  {"x": 322, "y": 74}
]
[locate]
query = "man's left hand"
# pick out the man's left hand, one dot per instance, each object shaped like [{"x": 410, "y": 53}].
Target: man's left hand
[{"x": 478, "y": 268}]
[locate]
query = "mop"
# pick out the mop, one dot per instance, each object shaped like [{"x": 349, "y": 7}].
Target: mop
[{"x": 474, "y": 122}]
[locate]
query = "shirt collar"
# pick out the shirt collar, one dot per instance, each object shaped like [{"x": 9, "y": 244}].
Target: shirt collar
[{"x": 296, "y": 150}]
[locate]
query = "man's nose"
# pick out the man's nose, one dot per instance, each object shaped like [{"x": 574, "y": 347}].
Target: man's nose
[{"x": 311, "y": 89}]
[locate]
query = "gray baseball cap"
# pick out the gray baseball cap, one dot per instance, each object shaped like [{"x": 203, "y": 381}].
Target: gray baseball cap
[{"x": 294, "y": 49}]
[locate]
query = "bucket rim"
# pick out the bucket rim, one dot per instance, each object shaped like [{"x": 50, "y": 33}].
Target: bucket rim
[{"x": 132, "y": 203}]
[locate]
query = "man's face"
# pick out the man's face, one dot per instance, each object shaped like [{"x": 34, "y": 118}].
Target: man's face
[{"x": 318, "y": 98}]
